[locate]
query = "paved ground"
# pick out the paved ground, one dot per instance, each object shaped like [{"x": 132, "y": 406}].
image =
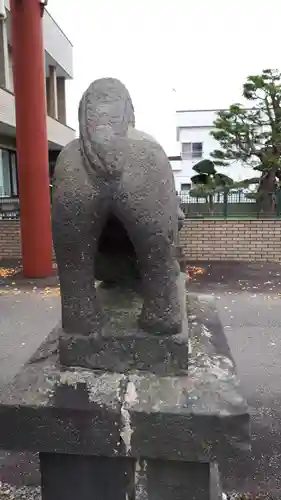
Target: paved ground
[
  {"x": 26, "y": 318},
  {"x": 249, "y": 300},
  {"x": 28, "y": 311}
]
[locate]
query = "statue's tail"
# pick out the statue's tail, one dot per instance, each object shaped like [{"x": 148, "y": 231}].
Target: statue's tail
[{"x": 105, "y": 112}]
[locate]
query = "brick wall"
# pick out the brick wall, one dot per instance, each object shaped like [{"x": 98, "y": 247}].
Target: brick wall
[
  {"x": 240, "y": 240},
  {"x": 10, "y": 240},
  {"x": 237, "y": 240}
]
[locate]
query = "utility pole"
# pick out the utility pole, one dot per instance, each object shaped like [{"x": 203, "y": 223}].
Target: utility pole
[{"x": 31, "y": 136}]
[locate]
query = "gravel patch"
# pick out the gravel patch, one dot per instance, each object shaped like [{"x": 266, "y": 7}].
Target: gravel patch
[{"x": 8, "y": 492}]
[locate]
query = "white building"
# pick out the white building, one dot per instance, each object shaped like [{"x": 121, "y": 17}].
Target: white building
[
  {"x": 58, "y": 69},
  {"x": 196, "y": 143}
]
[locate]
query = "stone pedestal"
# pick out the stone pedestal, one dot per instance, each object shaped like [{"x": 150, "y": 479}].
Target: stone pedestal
[
  {"x": 123, "y": 346},
  {"x": 138, "y": 434},
  {"x": 67, "y": 477}
]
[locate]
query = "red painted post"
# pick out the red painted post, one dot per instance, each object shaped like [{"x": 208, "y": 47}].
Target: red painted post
[{"x": 31, "y": 133}]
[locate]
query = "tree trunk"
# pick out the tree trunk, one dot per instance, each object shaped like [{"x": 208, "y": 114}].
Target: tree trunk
[
  {"x": 211, "y": 204},
  {"x": 225, "y": 203},
  {"x": 266, "y": 190}
]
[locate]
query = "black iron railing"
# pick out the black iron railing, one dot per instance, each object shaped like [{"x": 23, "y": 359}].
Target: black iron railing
[
  {"x": 9, "y": 208},
  {"x": 232, "y": 205}
]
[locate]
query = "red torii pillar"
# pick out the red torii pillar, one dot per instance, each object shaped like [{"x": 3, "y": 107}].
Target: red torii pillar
[{"x": 31, "y": 136}]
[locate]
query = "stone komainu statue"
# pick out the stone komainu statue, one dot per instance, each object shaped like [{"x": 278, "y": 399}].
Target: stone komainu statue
[{"x": 114, "y": 206}]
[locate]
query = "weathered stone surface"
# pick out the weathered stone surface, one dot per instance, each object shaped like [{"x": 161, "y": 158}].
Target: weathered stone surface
[
  {"x": 166, "y": 480},
  {"x": 116, "y": 260},
  {"x": 114, "y": 170},
  {"x": 181, "y": 258},
  {"x": 143, "y": 479},
  {"x": 122, "y": 346},
  {"x": 69, "y": 477},
  {"x": 201, "y": 416}
]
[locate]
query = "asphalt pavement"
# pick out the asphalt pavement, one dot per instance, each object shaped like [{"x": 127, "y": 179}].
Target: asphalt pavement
[
  {"x": 248, "y": 299},
  {"x": 249, "y": 303}
]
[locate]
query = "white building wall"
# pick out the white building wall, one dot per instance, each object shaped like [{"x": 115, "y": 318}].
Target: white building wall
[
  {"x": 195, "y": 126},
  {"x": 196, "y": 118},
  {"x": 58, "y": 53},
  {"x": 59, "y": 135},
  {"x": 176, "y": 165},
  {"x": 58, "y": 49},
  {"x": 57, "y": 45}
]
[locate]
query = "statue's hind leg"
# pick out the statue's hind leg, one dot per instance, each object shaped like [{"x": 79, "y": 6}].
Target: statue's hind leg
[
  {"x": 79, "y": 212},
  {"x": 161, "y": 313},
  {"x": 153, "y": 242},
  {"x": 76, "y": 229}
]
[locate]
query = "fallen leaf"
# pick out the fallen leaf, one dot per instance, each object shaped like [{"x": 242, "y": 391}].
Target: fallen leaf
[
  {"x": 52, "y": 292},
  {"x": 6, "y": 272}
]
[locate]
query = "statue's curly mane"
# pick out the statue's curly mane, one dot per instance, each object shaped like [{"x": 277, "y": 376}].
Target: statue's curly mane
[{"x": 105, "y": 113}]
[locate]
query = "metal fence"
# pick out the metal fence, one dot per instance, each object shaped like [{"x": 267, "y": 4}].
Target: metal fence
[
  {"x": 233, "y": 205},
  {"x": 9, "y": 209}
]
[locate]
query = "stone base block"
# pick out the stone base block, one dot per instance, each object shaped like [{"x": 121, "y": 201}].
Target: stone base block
[
  {"x": 135, "y": 435},
  {"x": 72, "y": 477},
  {"x": 199, "y": 416},
  {"x": 137, "y": 351},
  {"x": 68, "y": 477},
  {"x": 122, "y": 346}
]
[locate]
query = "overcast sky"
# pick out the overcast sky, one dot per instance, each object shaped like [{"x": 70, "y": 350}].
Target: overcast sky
[{"x": 202, "y": 49}]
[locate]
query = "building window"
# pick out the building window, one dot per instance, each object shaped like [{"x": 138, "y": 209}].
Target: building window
[
  {"x": 8, "y": 174},
  {"x": 11, "y": 77},
  {"x": 192, "y": 150},
  {"x": 185, "y": 187}
]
